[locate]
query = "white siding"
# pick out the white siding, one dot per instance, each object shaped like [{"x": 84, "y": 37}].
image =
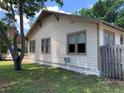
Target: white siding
[
  {"x": 57, "y": 31},
  {"x": 117, "y": 34}
]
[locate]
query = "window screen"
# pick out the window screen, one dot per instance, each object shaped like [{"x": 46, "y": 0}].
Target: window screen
[
  {"x": 45, "y": 45},
  {"x": 121, "y": 39},
  {"x": 32, "y": 46},
  {"x": 77, "y": 42},
  {"x": 109, "y": 38}
]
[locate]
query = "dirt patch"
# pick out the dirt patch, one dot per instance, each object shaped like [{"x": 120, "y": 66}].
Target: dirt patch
[
  {"x": 26, "y": 61},
  {"x": 4, "y": 84},
  {"x": 120, "y": 82}
]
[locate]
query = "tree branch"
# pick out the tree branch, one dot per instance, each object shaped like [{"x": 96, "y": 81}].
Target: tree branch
[
  {"x": 15, "y": 31},
  {"x": 4, "y": 37}
]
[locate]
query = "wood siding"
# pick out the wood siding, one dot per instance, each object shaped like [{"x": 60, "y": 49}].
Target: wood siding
[
  {"x": 57, "y": 31},
  {"x": 112, "y": 59},
  {"x": 106, "y": 28}
]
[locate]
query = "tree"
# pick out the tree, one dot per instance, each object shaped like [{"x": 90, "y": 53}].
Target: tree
[
  {"x": 107, "y": 10},
  {"x": 120, "y": 19},
  {"x": 21, "y": 7},
  {"x": 3, "y": 47},
  {"x": 86, "y": 12}
]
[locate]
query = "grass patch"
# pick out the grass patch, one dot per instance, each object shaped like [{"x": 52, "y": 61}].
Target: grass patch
[{"x": 44, "y": 79}]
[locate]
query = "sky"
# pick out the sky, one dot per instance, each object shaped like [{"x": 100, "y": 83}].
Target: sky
[
  {"x": 73, "y": 5},
  {"x": 70, "y": 6}
]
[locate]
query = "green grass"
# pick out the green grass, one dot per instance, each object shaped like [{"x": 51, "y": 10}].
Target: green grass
[{"x": 43, "y": 79}]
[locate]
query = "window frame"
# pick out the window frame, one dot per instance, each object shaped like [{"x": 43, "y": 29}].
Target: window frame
[
  {"x": 121, "y": 38},
  {"x": 34, "y": 50},
  {"x": 76, "y": 47},
  {"x": 108, "y": 32},
  {"x": 49, "y": 50}
]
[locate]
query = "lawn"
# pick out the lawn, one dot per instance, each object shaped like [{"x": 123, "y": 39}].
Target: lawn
[{"x": 43, "y": 79}]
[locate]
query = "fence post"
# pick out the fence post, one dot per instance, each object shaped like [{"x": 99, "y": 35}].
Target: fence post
[
  {"x": 112, "y": 61},
  {"x": 122, "y": 63}
]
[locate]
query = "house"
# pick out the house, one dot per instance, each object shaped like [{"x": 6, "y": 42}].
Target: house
[{"x": 70, "y": 41}]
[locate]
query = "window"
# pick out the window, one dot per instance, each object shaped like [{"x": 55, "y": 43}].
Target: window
[
  {"x": 32, "y": 46},
  {"x": 109, "y": 38},
  {"x": 71, "y": 43},
  {"x": 45, "y": 45},
  {"x": 77, "y": 42},
  {"x": 121, "y": 39}
]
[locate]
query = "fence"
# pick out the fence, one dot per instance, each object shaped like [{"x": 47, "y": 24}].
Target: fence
[{"x": 112, "y": 61}]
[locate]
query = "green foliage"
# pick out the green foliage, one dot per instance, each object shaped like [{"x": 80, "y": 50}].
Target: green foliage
[
  {"x": 86, "y": 12},
  {"x": 3, "y": 47},
  {"x": 108, "y": 10},
  {"x": 30, "y": 7},
  {"x": 99, "y": 9},
  {"x": 4, "y": 26},
  {"x": 120, "y": 19}
]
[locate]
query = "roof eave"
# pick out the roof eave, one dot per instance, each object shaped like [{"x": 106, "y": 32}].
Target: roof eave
[{"x": 96, "y": 21}]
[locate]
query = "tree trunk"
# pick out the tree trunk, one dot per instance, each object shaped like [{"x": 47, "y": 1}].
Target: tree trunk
[
  {"x": 21, "y": 2},
  {"x": 16, "y": 57},
  {"x": 17, "y": 61},
  {"x": 0, "y": 53},
  {"x": 17, "y": 64},
  {"x": 0, "y": 56}
]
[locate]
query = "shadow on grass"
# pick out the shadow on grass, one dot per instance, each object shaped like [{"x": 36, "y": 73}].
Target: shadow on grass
[{"x": 35, "y": 78}]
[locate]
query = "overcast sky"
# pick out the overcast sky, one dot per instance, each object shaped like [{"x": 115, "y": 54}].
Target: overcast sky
[{"x": 69, "y": 6}]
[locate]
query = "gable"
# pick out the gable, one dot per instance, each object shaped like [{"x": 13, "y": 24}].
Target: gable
[
  {"x": 38, "y": 26},
  {"x": 45, "y": 14}
]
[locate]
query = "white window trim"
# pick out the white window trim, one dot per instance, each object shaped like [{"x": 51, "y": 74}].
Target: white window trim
[
  {"x": 76, "y": 53},
  {"x": 34, "y": 46},
  {"x": 109, "y": 32},
  {"x": 49, "y": 52},
  {"x": 121, "y": 36}
]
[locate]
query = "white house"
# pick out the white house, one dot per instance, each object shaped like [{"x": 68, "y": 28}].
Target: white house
[{"x": 70, "y": 41}]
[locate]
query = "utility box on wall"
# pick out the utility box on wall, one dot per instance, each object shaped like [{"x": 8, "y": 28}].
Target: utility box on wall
[{"x": 67, "y": 59}]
